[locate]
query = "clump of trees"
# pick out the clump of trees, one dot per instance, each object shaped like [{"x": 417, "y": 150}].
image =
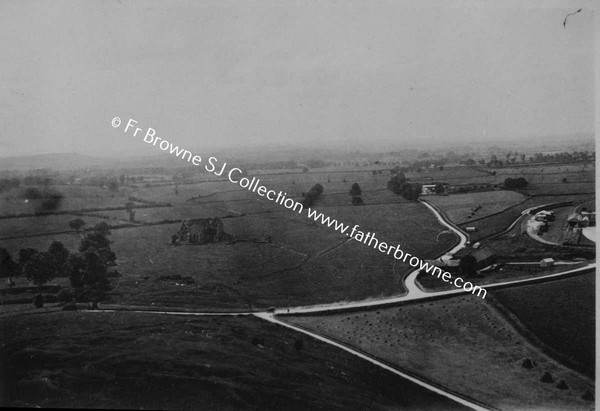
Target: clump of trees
[
  {"x": 86, "y": 269},
  {"x": 399, "y": 185},
  {"x": 49, "y": 199},
  {"x": 515, "y": 183},
  {"x": 355, "y": 193},
  {"x": 309, "y": 198}
]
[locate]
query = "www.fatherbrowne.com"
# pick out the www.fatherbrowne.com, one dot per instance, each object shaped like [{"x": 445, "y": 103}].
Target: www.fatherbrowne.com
[{"x": 212, "y": 166}]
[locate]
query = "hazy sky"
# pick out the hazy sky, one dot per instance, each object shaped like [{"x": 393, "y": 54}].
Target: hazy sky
[{"x": 289, "y": 72}]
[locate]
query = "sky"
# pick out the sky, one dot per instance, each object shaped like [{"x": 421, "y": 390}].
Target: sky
[{"x": 290, "y": 73}]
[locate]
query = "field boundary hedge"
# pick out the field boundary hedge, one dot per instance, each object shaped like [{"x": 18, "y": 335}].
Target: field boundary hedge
[{"x": 81, "y": 211}]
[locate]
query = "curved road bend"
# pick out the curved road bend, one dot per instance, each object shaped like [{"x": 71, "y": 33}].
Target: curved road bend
[{"x": 413, "y": 293}]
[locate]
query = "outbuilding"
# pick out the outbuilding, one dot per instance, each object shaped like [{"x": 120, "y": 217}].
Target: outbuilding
[{"x": 547, "y": 262}]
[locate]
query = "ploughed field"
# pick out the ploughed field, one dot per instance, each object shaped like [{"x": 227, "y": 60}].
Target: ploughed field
[
  {"x": 460, "y": 343},
  {"x": 126, "y": 360}
]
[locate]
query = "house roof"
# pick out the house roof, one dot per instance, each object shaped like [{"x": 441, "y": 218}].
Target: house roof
[{"x": 480, "y": 254}]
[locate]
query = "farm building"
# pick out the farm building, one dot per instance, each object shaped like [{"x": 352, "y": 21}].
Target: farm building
[
  {"x": 590, "y": 215},
  {"x": 427, "y": 189},
  {"x": 578, "y": 220},
  {"x": 445, "y": 261},
  {"x": 484, "y": 256},
  {"x": 547, "y": 262},
  {"x": 202, "y": 230}
]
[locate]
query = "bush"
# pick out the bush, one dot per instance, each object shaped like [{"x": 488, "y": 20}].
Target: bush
[{"x": 299, "y": 344}]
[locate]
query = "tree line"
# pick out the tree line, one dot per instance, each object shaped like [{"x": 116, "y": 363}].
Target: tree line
[
  {"x": 399, "y": 185},
  {"x": 87, "y": 268}
]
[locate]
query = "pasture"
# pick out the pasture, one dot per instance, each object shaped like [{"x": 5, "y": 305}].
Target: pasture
[
  {"x": 461, "y": 208},
  {"x": 278, "y": 258}
]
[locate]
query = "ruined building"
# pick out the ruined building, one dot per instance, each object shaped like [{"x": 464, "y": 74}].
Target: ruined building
[{"x": 202, "y": 230}]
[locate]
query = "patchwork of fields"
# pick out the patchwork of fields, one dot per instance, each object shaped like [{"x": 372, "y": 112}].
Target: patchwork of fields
[{"x": 278, "y": 258}]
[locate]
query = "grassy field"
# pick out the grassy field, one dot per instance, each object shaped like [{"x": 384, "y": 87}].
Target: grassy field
[
  {"x": 144, "y": 361},
  {"x": 461, "y": 343},
  {"x": 14, "y": 227},
  {"x": 461, "y": 208},
  {"x": 305, "y": 263},
  {"x": 73, "y": 198},
  {"x": 560, "y": 313}
]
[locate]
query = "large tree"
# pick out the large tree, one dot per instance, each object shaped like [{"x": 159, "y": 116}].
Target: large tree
[
  {"x": 355, "y": 193},
  {"x": 129, "y": 206},
  {"x": 98, "y": 241},
  {"x": 39, "y": 268},
  {"x": 59, "y": 255},
  {"x": 8, "y": 268}
]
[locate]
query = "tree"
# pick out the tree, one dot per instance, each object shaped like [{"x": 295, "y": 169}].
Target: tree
[
  {"x": 100, "y": 244},
  {"x": 312, "y": 195},
  {"x": 355, "y": 193},
  {"x": 24, "y": 255},
  {"x": 102, "y": 227},
  {"x": 8, "y": 268},
  {"x": 113, "y": 185},
  {"x": 38, "y": 268},
  {"x": 439, "y": 188},
  {"x": 74, "y": 269},
  {"x": 59, "y": 255},
  {"x": 76, "y": 224},
  {"x": 88, "y": 269},
  {"x": 129, "y": 206}
]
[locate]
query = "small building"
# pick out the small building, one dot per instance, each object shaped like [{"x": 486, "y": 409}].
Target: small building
[
  {"x": 590, "y": 216},
  {"x": 547, "y": 262},
  {"x": 427, "y": 189},
  {"x": 578, "y": 220},
  {"x": 470, "y": 229}
]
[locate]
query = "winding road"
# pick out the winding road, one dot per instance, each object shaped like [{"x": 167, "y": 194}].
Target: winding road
[{"x": 413, "y": 292}]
